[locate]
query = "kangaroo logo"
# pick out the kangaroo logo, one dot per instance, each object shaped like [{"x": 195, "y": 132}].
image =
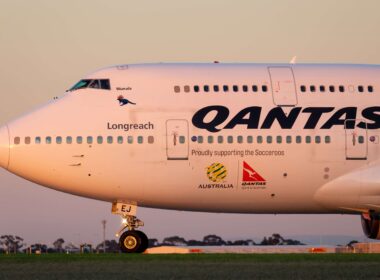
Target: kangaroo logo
[
  {"x": 250, "y": 175},
  {"x": 123, "y": 101}
]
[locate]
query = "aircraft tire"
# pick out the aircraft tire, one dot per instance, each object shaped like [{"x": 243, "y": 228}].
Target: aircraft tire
[
  {"x": 144, "y": 242},
  {"x": 131, "y": 241}
]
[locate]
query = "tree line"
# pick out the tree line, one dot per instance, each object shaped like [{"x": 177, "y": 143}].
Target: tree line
[{"x": 16, "y": 244}]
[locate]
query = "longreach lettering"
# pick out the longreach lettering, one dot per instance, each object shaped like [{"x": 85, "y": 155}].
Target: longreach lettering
[
  {"x": 130, "y": 126},
  {"x": 250, "y": 117}
]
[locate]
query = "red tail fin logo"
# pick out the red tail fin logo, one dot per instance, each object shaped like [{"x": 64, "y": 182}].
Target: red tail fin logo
[{"x": 250, "y": 175}]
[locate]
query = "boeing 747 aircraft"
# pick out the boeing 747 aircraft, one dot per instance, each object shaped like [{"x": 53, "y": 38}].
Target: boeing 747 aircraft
[{"x": 231, "y": 138}]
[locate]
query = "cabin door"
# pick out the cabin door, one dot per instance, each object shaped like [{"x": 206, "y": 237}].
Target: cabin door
[
  {"x": 356, "y": 140},
  {"x": 283, "y": 86},
  {"x": 177, "y": 139}
]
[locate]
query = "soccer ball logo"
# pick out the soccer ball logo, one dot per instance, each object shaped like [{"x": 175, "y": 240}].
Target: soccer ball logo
[{"x": 216, "y": 172}]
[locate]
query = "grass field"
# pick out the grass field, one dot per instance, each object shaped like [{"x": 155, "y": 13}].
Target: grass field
[{"x": 195, "y": 266}]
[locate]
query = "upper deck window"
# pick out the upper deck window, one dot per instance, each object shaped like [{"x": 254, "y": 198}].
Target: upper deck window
[{"x": 96, "y": 83}]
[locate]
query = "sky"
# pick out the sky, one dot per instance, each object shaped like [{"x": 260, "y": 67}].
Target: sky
[{"x": 48, "y": 45}]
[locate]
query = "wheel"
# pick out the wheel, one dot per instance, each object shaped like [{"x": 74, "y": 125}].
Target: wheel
[
  {"x": 130, "y": 242},
  {"x": 144, "y": 241},
  {"x": 133, "y": 241}
]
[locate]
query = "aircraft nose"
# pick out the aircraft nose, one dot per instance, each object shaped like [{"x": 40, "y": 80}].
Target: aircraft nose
[{"x": 4, "y": 146}]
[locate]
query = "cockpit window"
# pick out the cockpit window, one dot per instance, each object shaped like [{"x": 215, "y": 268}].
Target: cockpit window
[
  {"x": 105, "y": 84},
  {"x": 81, "y": 84},
  {"x": 95, "y": 83}
]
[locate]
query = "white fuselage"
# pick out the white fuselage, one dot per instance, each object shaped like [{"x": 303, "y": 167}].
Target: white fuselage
[{"x": 190, "y": 143}]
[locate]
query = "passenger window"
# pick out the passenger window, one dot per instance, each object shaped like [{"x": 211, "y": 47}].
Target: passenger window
[
  {"x": 182, "y": 139},
  {"x": 216, "y": 88},
  {"x": 230, "y": 139},
  {"x": 200, "y": 139},
  {"x": 150, "y": 139},
  {"x": 370, "y": 88},
  {"x": 332, "y": 88},
  {"x": 120, "y": 139},
  {"x": 235, "y": 88},
  {"x": 89, "y": 140},
  {"x": 259, "y": 139},
  {"x": 279, "y": 139},
  {"x": 249, "y": 139},
  {"x": 317, "y": 139},
  {"x": 303, "y": 89},
  {"x": 48, "y": 140},
  {"x": 186, "y": 89},
  {"x": 322, "y": 88},
  {"x": 177, "y": 89},
  {"x": 79, "y": 140},
  {"x": 206, "y": 88},
  {"x": 196, "y": 88},
  {"x": 130, "y": 139},
  {"x": 220, "y": 139},
  {"x": 225, "y": 88},
  {"x": 17, "y": 140},
  {"x": 109, "y": 139},
  {"x": 312, "y": 88},
  {"x": 255, "y": 88},
  {"x": 298, "y": 139},
  {"x": 210, "y": 139},
  {"x": 360, "y": 88},
  {"x": 269, "y": 139},
  {"x": 99, "y": 139},
  {"x": 27, "y": 140},
  {"x": 140, "y": 139},
  {"x": 361, "y": 139},
  {"x": 289, "y": 139},
  {"x": 341, "y": 88},
  {"x": 37, "y": 140},
  {"x": 69, "y": 140},
  {"x": 240, "y": 139},
  {"x": 327, "y": 139},
  {"x": 245, "y": 88},
  {"x": 265, "y": 88},
  {"x": 308, "y": 139},
  {"x": 58, "y": 140}
]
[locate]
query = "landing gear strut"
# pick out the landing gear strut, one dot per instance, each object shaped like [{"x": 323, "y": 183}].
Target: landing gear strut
[{"x": 132, "y": 240}]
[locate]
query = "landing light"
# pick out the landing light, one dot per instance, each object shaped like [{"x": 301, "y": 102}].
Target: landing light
[{"x": 123, "y": 221}]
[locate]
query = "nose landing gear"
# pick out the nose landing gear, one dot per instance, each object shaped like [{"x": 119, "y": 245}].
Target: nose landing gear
[{"x": 132, "y": 240}]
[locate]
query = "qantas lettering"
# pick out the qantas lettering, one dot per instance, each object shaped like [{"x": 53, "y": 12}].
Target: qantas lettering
[{"x": 250, "y": 117}]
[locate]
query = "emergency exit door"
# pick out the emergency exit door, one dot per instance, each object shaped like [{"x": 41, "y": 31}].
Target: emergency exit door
[
  {"x": 283, "y": 86},
  {"x": 177, "y": 139},
  {"x": 356, "y": 140}
]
